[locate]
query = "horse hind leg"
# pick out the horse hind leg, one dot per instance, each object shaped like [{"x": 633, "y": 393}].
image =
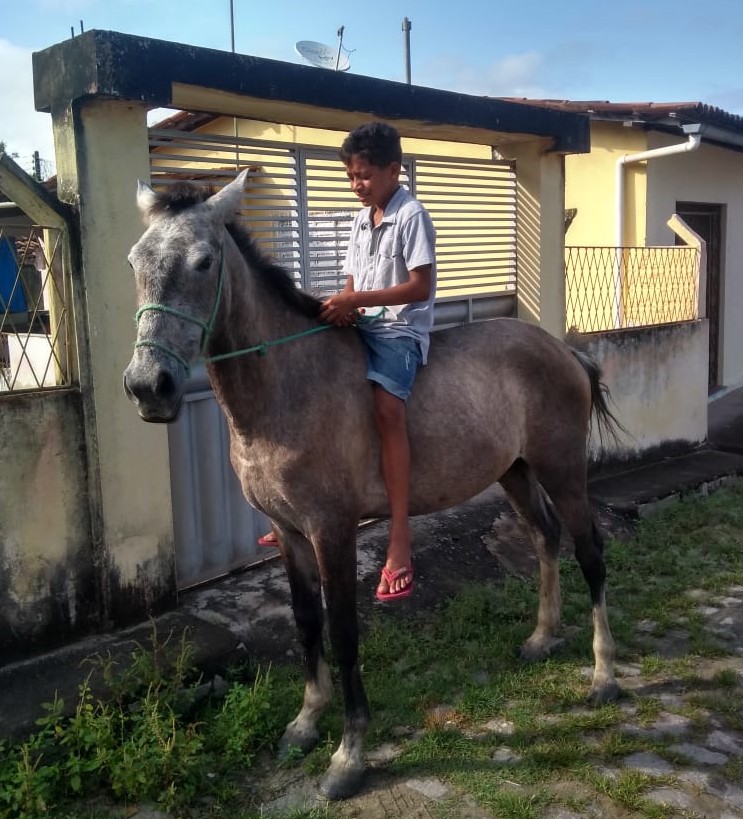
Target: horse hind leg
[
  {"x": 571, "y": 499},
  {"x": 533, "y": 506},
  {"x": 304, "y": 583}
]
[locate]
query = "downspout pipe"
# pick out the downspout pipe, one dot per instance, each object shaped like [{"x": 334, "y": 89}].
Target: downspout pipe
[{"x": 694, "y": 140}]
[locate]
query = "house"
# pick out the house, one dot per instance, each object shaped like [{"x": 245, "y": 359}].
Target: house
[
  {"x": 106, "y": 546},
  {"x": 647, "y": 162}
]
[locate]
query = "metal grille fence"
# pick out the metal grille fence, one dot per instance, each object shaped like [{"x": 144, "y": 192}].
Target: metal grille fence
[
  {"x": 35, "y": 350},
  {"x": 610, "y": 288}
]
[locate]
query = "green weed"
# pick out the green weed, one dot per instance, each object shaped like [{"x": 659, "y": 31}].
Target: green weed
[
  {"x": 140, "y": 743},
  {"x": 149, "y": 741}
]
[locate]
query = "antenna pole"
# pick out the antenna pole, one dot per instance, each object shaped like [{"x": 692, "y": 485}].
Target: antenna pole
[
  {"x": 234, "y": 119},
  {"x": 340, "y": 45},
  {"x": 406, "y": 26}
]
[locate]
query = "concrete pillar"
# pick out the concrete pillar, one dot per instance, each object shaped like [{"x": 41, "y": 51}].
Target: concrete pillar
[
  {"x": 540, "y": 247},
  {"x": 101, "y": 150}
]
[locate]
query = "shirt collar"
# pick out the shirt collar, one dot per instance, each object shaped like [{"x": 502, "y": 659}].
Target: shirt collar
[{"x": 393, "y": 206}]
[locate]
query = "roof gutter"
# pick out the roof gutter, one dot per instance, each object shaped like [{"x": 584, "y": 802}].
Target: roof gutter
[{"x": 694, "y": 140}]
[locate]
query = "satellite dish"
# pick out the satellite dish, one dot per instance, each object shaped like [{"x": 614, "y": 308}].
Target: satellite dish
[{"x": 323, "y": 56}]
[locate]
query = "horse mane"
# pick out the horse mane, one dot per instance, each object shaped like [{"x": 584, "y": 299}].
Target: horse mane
[
  {"x": 180, "y": 197},
  {"x": 184, "y": 195},
  {"x": 272, "y": 275}
]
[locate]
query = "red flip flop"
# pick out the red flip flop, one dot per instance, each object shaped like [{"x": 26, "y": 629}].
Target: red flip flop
[
  {"x": 390, "y": 577},
  {"x": 268, "y": 540}
]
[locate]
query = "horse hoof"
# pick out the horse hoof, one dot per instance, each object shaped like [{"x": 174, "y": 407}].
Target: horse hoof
[
  {"x": 297, "y": 742},
  {"x": 602, "y": 693},
  {"x": 534, "y": 651},
  {"x": 341, "y": 784}
]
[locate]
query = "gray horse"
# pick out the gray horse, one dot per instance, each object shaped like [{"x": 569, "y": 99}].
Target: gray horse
[{"x": 499, "y": 401}]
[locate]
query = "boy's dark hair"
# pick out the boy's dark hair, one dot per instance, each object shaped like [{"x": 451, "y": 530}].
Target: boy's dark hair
[{"x": 376, "y": 142}]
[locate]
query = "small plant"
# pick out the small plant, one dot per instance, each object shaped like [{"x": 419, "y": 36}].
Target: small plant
[
  {"x": 137, "y": 744},
  {"x": 246, "y": 722},
  {"x": 727, "y": 678}
]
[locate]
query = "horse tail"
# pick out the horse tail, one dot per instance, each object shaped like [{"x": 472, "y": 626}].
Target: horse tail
[{"x": 607, "y": 425}]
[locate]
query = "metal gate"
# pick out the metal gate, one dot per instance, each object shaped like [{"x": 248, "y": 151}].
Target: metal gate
[
  {"x": 215, "y": 529},
  {"x": 299, "y": 208}
]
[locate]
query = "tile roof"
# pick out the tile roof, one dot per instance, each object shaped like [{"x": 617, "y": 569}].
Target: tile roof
[{"x": 659, "y": 113}]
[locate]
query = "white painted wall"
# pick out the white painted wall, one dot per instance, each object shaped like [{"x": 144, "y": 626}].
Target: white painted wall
[
  {"x": 657, "y": 377},
  {"x": 713, "y": 176}
]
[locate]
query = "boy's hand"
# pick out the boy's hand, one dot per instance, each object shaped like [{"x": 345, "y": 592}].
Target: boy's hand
[{"x": 339, "y": 310}]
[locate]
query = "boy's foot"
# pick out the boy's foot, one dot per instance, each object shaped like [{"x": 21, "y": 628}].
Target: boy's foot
[
  {"x": 269, "y": 539},
  {"x": 395, "y": 585}
]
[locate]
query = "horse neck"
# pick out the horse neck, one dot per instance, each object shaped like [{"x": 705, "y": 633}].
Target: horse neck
[{"x": 250, "y": 314}]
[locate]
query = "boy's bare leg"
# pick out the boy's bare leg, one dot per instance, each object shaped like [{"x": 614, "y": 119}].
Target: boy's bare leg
[{"x": 392, "y": 424}]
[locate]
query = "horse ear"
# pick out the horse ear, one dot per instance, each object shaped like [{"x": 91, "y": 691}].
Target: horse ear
[
  {"x": 227, "y": 201},
  {"x": 145, "y": 198}
]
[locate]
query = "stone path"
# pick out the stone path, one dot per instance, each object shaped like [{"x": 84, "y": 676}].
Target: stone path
[{"x": 698, "y": 772}]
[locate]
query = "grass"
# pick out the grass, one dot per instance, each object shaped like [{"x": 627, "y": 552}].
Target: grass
[{"x": 447, "y": 674}]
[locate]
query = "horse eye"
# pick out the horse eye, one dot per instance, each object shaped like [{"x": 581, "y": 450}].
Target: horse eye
[{"x": 204, "y": 264}]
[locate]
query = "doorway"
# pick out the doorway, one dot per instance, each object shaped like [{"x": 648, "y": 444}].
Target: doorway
[{"x": 707, "y": 221}]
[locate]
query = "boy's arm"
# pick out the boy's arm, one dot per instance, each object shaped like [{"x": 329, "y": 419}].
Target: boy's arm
[{"x": 338, "y": 309}]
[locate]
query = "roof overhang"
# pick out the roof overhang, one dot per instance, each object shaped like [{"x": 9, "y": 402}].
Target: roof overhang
[
  {"x": 716, "y": 126},
  {"x": 164, "y": 74}
]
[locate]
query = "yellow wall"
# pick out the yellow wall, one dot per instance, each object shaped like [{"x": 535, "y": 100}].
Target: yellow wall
[
  {"x": 648, "y": 283},
  {"x": 300, "y": 135},
  {"x": 590, "y": 187},
  {"x": 132, "y": 455}
]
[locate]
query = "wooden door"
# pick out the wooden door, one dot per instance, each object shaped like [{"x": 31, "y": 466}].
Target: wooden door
[{"x": 707, "y": 220}]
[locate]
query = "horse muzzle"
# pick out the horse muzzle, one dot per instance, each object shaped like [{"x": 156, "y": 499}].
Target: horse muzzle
[{"x": 155, "y": 390}]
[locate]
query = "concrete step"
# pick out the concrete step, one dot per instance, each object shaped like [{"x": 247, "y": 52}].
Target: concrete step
[{"x": 641, "y": 490}]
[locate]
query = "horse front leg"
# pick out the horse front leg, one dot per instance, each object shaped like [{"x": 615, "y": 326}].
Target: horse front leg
[
  {"x": 337, "y": 557},
  {"x": 304, "y": 583}
]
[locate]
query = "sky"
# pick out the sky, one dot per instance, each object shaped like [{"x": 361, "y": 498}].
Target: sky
[{"x": 632, "y": 50}]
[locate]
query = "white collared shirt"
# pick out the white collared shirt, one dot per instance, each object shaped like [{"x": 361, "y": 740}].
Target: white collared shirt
[{"x": 382, "y": 256}]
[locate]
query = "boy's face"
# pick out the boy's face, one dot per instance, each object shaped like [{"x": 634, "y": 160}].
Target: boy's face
[{"x": 372, "y": 184}]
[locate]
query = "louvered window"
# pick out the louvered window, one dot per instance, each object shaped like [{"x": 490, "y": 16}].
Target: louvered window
[
  {"x": 300, "y": 208},
  {"x": 473, "y": 206}
]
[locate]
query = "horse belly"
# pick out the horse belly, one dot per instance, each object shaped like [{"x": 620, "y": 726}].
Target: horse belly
[
  {"x": 467, "y": 426},
  {"x": 456, "y": 471}
]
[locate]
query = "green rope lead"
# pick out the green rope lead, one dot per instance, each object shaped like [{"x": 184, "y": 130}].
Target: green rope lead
[{"x": 262, "y": 348}]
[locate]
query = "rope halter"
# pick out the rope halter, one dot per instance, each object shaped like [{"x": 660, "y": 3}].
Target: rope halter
[{"x": 207, "y": 327}]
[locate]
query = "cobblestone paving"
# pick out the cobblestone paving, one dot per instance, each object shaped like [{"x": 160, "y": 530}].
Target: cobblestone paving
[{"x": 696, "y": 774}]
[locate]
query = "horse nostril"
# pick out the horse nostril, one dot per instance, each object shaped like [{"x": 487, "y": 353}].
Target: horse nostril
[
  {"x": 125, "y": 384},
  {"x": 164, "y": 385}
]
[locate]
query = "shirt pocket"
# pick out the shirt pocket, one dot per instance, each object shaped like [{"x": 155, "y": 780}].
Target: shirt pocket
[{"x": 390, "y": 244}]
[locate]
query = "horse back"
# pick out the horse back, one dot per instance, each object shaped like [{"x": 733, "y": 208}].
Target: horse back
[{"x": 492, "y": 392}]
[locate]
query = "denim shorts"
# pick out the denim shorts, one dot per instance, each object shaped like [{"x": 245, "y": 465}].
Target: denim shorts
[{"x": 392, "y": 362}]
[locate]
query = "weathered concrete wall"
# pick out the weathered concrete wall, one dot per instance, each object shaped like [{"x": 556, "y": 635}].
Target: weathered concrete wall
[
  {"x": 47, "y": 585},
  {"x": 137, "y": 540},
  {"x": 657, "y": 377}
]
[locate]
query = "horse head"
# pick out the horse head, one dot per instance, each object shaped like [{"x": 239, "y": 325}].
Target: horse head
[{"x": 179, "y": 273}]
